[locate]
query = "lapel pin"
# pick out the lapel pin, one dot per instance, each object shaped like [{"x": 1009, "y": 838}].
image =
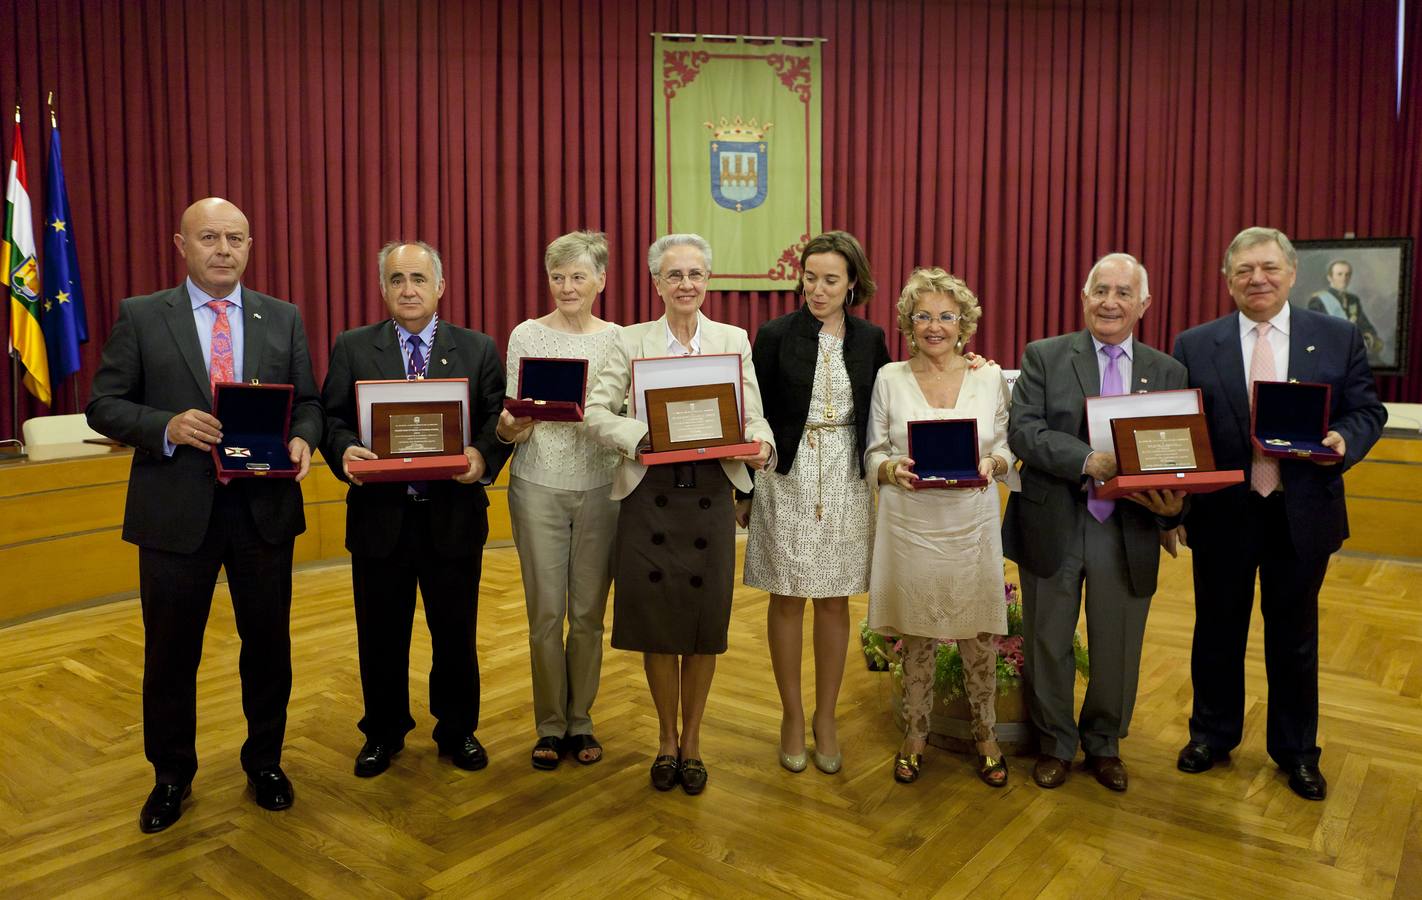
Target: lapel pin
[
  {"x": 1145, "y": 381},
  {"x": 257, "y": 315},
  {"x": 1309, "y": 348},
  {"x": 443, "y": 361}
]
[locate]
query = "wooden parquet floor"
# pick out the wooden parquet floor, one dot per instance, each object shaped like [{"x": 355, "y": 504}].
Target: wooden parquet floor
[{"x": 72, "y": 776}]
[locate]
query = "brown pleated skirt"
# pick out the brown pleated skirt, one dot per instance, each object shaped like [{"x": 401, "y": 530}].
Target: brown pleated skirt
[{"x": 675, "y": 562}]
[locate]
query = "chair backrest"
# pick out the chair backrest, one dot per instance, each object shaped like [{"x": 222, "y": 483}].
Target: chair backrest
[{"x": 70, "y": 429}]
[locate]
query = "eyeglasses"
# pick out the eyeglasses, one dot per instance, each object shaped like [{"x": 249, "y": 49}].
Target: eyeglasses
[
  {"x": 923, "y": 318},
  {"x": 676, "y": 276}
]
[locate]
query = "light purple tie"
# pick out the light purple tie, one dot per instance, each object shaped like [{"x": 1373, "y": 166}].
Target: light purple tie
[{"x": 1110, "y": 386}]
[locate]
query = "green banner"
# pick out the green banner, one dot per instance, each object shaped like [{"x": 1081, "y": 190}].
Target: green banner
[{"x": 738, "y": 153}]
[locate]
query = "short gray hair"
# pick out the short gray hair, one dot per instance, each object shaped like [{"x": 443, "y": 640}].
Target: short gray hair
[
  {"x": 1138, "y": 270},
  {"x": 1255, "y": 235},
  {"x": 391, "y": 247},
  {"x": 664, "y": 243},
  {"x": 577, "y": 246}
]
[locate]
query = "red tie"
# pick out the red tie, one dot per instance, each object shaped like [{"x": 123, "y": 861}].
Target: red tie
[{"x": 219, "y": 366}]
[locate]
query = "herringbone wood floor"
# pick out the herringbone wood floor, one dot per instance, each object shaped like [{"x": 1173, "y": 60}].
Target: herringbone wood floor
[{"x": 72, "y": 776}]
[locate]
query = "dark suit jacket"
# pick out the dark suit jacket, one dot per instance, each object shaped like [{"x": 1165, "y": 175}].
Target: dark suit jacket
[
  {"x": 1047, "y": 431},
  {"x": 784, "y": 354},
  {"x": 375, "y": 512},
  {"x": 152, "y": 369},
  {"x": 1321, "y": 349}
]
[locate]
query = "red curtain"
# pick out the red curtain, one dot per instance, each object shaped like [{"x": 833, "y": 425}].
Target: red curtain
[
  {"x": 1408, "y": 388},
  {"x": 1010, "y": 142}
]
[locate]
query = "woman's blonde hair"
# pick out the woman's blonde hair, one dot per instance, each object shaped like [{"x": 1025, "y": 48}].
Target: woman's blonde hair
[{"x": 934, "y": 280}]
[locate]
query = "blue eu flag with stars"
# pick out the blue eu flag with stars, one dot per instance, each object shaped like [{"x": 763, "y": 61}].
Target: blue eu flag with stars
[{"x": 65, "y": 325}]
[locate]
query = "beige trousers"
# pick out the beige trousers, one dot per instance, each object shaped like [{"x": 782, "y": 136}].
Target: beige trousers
[{"x": 564, "y": 541}]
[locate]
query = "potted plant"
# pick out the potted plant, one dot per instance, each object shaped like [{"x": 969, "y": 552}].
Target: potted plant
[{"x": 950, "y": 721}]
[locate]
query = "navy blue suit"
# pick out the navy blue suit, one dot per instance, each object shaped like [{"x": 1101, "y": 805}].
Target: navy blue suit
[{"x": 1286, "y": 538}]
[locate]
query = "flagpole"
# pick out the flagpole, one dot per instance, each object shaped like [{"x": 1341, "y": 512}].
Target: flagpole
[
  {"x": 15, "y": 362},
  {"x": 15, "y": 400},
  {"x": 54, "y": 124}
]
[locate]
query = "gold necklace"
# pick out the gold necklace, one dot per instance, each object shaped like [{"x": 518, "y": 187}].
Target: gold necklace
[{"x": 830, "y": 412}]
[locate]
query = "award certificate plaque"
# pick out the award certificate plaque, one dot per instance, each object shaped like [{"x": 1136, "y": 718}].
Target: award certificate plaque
[
  {"x": 694, "y": 421},
  {"x": 696, "y": 416},
  {"x": 1164, "y": 453},
  {"x": 411, "y": 434},
  {"x": 1165, "y": 449},
  {"x": 416, "y": 429}
]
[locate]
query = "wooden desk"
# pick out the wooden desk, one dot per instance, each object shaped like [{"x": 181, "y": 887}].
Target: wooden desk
[
  {"x": 61, "y": 514},
  {"x": 1385, "y": 498}
]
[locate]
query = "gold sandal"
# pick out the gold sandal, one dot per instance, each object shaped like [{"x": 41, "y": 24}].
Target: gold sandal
[
  {"x": 906, "y": 767},
  {"x": 993, "y": 770}
]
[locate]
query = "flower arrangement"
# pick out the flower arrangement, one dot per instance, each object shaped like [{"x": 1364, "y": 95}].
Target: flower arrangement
[{"x": 884, "y": 654}]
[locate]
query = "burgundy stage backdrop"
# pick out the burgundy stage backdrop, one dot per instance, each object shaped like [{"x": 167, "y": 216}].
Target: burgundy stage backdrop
[{"x": 1009, "y": 142}]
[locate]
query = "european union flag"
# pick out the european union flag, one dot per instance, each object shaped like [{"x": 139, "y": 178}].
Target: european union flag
[{"x": 65, "y": 325}]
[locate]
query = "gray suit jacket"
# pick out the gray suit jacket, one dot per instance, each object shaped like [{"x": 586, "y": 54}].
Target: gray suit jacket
[
  {"x": 624, "y": 433},
  {"x": 152, "y": 369},
  {"x": 1047, "y": 431}
]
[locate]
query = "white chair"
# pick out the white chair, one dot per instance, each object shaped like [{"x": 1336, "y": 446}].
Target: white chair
[{"x": 71, "y": 429}]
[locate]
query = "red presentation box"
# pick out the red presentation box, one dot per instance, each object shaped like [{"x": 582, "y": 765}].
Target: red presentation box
[
  {"x": 550, "y": 389},
  {"x": 256, "y": 426},
  {"x": 1290, "y": 420},
  {"x": 945, "y": 454},
  {"x": 670, "y": 372},
  {"x": 1164, "y": 453},
  {"x": 419, "y": 397}
]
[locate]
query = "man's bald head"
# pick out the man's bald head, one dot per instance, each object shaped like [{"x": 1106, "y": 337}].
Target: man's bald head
[{"x": 214, "y": 238}]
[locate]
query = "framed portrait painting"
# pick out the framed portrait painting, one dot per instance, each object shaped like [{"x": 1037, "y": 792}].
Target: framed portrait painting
[{"x": 1369, "y": 283}]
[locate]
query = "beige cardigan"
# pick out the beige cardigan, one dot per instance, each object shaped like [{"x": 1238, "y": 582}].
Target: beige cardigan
[{"x": 624, "y": 433}]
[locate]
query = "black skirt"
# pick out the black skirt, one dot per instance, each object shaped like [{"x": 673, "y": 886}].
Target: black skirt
[{"x": 675, "y": 561}]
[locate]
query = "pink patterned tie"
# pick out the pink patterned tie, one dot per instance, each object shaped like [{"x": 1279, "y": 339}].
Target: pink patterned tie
[
  {"x": 219, "y": 366},
  {"x": 1264, "y": 472}
]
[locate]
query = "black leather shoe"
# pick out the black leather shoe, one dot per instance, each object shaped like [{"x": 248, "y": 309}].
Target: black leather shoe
[
  {"x": 375, "y": 757},
  {"x": 693, "y": 776},
  {"x": 666, "y": 772},
  {"x": 1196, "y": 757},
  {"x": 1307, "y": 781},
  {"x": 466, "y": 753},
  {"x": 272, "y": 788},
  {"x": 163, "y": 807}
]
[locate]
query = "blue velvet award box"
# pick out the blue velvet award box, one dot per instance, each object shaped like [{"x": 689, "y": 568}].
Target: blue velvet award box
[
  {"x": 550, "y": 390},
  {"x": 256, "y": 422},
  {"x": 1290, "y": 419},
  {"x": 945, "y": 453}
]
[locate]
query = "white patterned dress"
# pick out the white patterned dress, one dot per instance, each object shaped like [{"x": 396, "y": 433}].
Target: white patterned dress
[
  {"x": 811, "y": 530},
  {"x": 937, "y": 569}
]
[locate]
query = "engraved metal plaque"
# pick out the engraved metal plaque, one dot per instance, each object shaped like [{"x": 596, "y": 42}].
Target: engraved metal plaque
[
  {"x": 423, "y": 433},
  {"x": 694, "y": 420},
  {"x": 1165, "y": 450}
]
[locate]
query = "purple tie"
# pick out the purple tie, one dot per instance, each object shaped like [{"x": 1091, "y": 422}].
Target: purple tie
[
  {"x": 415, "y": 370},
  {"x": 1110, "y": 387}
]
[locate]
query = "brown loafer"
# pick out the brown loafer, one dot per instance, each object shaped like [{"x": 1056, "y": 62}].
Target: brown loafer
[
  {"x": 1050, "y": 771},
  {"x": 1109, "y": 770}
]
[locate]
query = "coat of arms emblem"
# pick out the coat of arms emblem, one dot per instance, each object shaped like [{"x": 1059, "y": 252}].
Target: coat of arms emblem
[{"x": 739, "y": 173}]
